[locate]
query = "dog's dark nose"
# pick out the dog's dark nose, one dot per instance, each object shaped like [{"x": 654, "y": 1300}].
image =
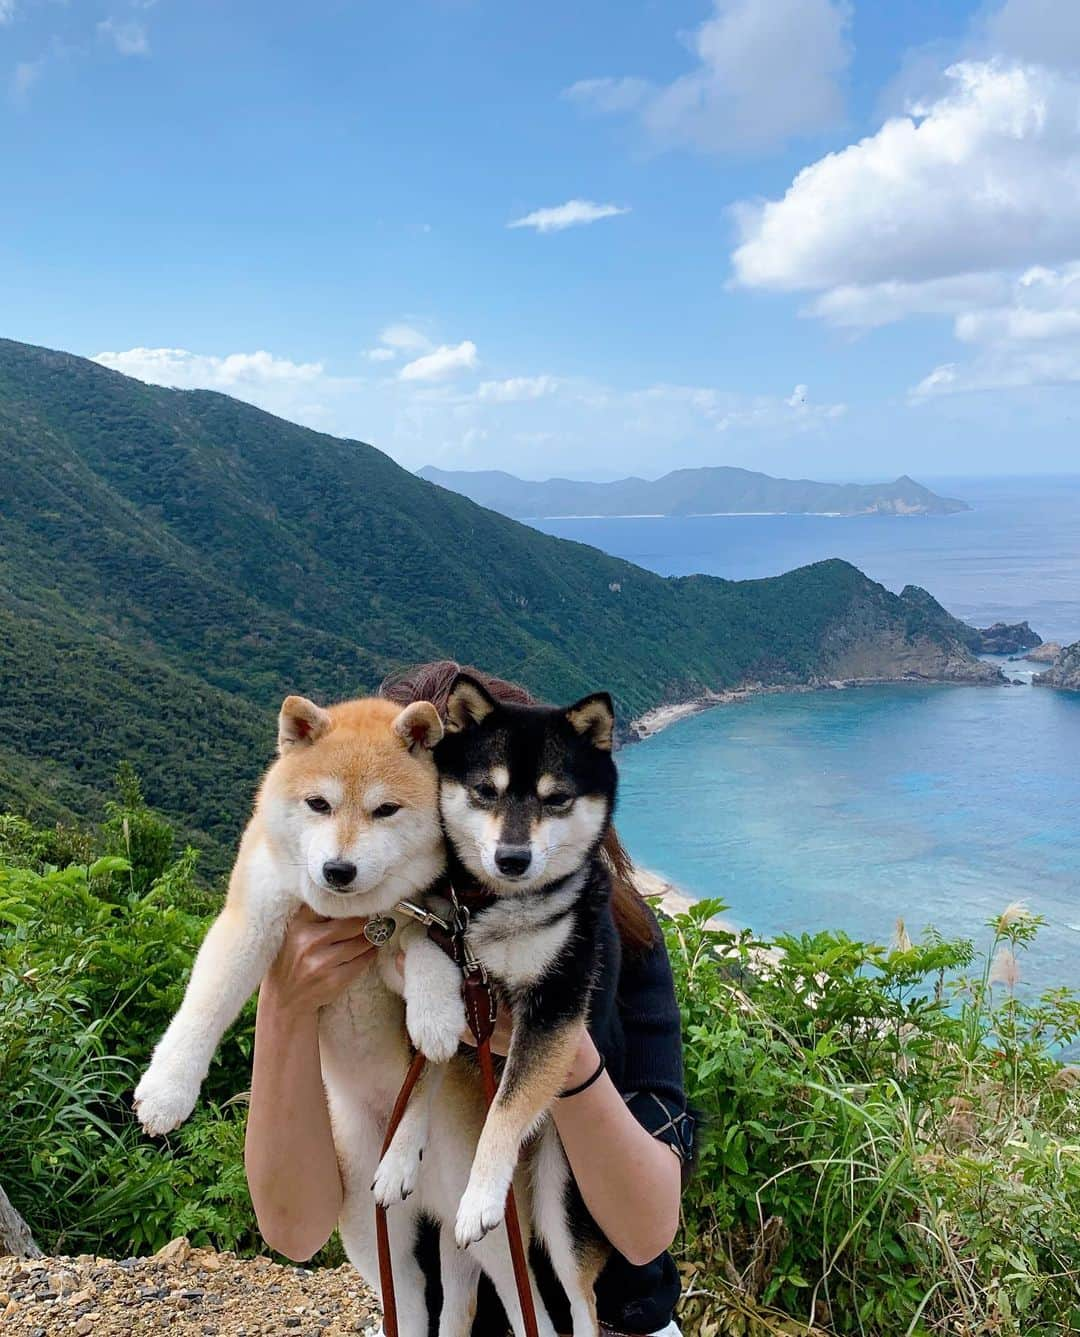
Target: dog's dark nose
[
  {"x": 512, "y": 860},
  {"x": 338, "y": 873}
]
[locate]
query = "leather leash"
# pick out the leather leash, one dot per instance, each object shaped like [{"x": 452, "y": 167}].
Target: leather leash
[{"x": 480, "y": 1012}]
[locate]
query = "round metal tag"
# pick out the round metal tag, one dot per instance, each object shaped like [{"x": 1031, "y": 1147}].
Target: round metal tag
[{"x": 379, "y": 930}]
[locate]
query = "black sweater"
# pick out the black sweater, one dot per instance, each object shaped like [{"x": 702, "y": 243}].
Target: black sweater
[{"x": 642, "y": 1041}]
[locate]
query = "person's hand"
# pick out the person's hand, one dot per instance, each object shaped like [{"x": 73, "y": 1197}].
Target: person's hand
[{"x": 318, "y": 960}]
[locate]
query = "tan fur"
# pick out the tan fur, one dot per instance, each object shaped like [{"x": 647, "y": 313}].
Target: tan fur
[
  {"x": 466, "y": 705},
  {"x": 520, "y": 1103},
  {"x": 458, "y": 1118},
  {"x": 593, "y": 717},
  {"x": 356, "y": 755},
  {"x": 591, "y": 1260},
  {"x": 358, "y": 746}
]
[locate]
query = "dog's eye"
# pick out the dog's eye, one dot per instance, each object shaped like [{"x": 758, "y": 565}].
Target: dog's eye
[
  {"x": 486, "y": 793},
  {"x": 318, "y": 804},
  {"x": 558, "y": 801},
  {"x": 386, "y": 809}
]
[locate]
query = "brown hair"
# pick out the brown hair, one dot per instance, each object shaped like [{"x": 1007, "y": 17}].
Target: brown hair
[{"x": 432, "y": 682}]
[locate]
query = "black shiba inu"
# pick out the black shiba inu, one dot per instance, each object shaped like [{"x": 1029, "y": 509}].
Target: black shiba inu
[{"x": 526, "y": 796}]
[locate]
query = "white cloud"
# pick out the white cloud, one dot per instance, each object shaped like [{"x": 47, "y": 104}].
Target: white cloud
[
  {"x": 986, "y": 178},
  {"x": 571, "y": 214},
  {"x": 302, "y": 392},
  {"x": 1031, "y": 337},
  {"x": 183, "y": 370},
  {"x": 127, "y": 36},
  {"x": 967, "y": 208},
  {"x": 398, "y": 340},
  {"x": 516, "y": 388},
  {"x": 404, "y": 338},
  {"x": 763, "y": 73},
  {"x": 865, "y": 306},
  {"x": 726, "y": 410},
  {"x": 547, "y": 423},
  {"x": 442, "y": 363}
]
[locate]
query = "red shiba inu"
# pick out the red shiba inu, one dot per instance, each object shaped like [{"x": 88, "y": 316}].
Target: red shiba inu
[{"x": 347, "y": 821}]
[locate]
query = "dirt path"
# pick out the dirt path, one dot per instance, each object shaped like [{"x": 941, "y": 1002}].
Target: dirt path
[{"x": 181, "y": 1290}]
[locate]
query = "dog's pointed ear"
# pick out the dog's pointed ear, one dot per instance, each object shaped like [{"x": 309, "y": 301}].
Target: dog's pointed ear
[
  {"x": 593, "y": 717},
  {"x": 301, "y": 721},
  {"x": 468, "y": 703},
  {"x": 418, "y": 726}
]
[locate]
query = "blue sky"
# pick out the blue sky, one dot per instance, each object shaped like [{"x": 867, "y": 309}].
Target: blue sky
[{"x": 808, "y": 236}]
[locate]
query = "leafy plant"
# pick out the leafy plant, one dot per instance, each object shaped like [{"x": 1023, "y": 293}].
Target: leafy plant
[
  {"x": 887, "y": 1149},
  {"x": 890, "y": 1137}
]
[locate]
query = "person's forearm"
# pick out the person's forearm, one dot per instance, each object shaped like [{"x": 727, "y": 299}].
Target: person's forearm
[
  {"x": 631, "y": 1181},
  {"x": 292, "y": 1168}
]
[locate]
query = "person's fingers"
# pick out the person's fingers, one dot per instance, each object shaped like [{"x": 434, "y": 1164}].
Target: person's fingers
[
  {"x": 325, "y": 956},
  {"x": 338, "y": 930}
]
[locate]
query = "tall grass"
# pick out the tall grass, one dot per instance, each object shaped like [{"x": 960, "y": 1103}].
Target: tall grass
[
  {"x": 890, "y": 1146},
  {"x": 93, "y": 962}
]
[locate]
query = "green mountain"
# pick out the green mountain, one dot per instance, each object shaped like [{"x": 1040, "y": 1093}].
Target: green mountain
[
  {"x": 711, "y": 491},
  {"x": 172, "y": 563}
]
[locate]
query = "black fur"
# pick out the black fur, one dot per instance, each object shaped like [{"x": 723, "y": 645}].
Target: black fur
[
  {"x": 579, "y": 983},
  {"x": 530, "y": 742}
]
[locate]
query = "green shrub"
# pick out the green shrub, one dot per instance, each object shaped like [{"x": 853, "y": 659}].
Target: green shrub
[
  {"x": 28, "y": 846},
  {"x": 89, "y": 978},
  {"x": 137, "y": 833},
  {"x": 886, "y": 1149},
  {"x": 891, "y": 1142}
]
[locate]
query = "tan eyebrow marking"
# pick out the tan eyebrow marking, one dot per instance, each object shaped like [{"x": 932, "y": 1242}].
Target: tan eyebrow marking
[
  {"x": 500, "y": 778},
  {"x": 547, "y": 784}
]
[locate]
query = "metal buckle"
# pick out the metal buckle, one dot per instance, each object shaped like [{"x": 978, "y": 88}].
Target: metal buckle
[{"x": 422, "y": 916}]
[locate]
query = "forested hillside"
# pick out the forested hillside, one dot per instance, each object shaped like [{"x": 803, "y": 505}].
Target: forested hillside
[{"x": 172, "y": 563}]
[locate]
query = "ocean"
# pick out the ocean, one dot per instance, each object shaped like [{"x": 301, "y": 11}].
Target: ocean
[{"x": 850, "y": 809}]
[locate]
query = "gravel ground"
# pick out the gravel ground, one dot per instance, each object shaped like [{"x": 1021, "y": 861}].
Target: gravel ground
[{"x": 181, "y": 1290}]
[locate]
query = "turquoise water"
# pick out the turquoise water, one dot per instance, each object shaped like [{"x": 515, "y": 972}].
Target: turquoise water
[{"x": 849, "y": 809}]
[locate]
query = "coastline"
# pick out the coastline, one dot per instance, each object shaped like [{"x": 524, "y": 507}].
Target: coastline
[
  {"x": 711, "y": 515},
  {"x": 662, "y": 717},
  {"x": 672, "y": 901}
]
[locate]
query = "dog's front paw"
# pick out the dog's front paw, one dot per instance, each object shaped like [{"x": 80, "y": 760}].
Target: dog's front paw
[
  {"x": 436, "y": 1030},
  {"x": 480, "y": 1210},
  {"x": 398, "y": 1172},
  {"x": 164, "y": 1099}
]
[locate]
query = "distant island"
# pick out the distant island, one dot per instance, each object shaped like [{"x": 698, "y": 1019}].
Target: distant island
[{"x": 709, "y": 491}]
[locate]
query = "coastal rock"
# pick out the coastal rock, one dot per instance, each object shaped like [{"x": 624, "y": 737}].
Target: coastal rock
[
  {"x": 1006, "y": 638},
  {"x": 1003, "y": 638},
  {"x": 1065, "y": 673},
  {"x": 929, "y": 645},
  {"x": 1047, "y": 653}
]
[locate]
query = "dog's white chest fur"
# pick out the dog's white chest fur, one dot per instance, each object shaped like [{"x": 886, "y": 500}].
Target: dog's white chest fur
[{"x": 519, "y": 936}]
